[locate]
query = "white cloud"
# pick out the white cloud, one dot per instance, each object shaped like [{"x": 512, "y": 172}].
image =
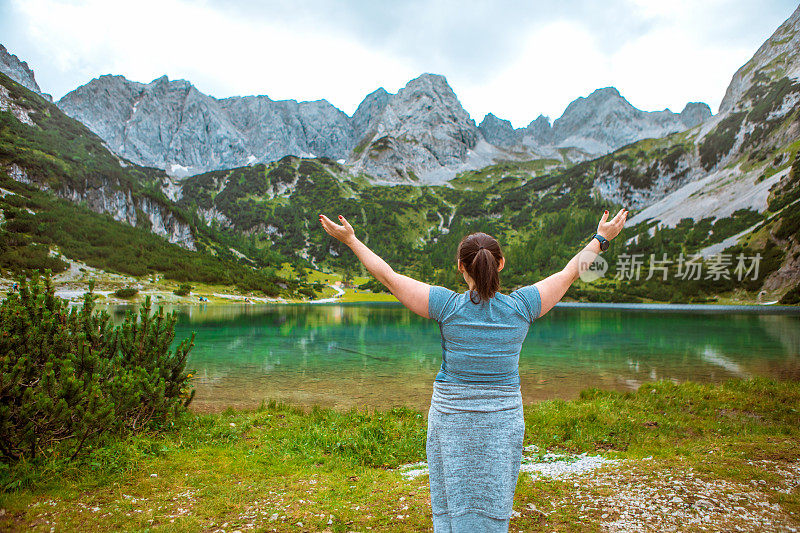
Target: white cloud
[
  {"x": 221, "y": 54},
  {"x": 516, "y": 59},
  {"x": 558, "y": 56},
  {"x": 668, "y": 68}
]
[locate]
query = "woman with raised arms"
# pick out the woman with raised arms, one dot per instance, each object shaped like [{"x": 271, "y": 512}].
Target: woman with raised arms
[{"x": 475, "y": 423}]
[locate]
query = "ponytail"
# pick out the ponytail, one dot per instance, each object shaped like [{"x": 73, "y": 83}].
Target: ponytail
[{"x": 480, "y": 254}]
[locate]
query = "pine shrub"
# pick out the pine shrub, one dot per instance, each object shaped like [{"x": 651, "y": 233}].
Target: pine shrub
[
  {"x": 792, "y": 297},
  {"x": 184, "y": 289},
  {"x": 126, "y": 292},
  {"x": 68, "y": 376}
]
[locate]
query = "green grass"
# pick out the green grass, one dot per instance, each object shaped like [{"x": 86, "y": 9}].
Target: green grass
[
  {"x": 350, "y": 295},
  {"x": 317, "y": 276},
  {"x": 336, "y": 470},
  {"x": 502, "y": 173}
]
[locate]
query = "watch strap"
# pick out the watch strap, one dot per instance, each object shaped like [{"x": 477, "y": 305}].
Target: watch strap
[{"x": 604, "y": 243}]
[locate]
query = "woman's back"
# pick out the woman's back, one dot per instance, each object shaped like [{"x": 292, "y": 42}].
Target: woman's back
[
  {"x": 475, "y": 423},
  {"x": 481, "y": 342}
]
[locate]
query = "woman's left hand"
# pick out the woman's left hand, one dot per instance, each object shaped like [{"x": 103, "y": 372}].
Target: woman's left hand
[{"x": 343, "y": 233}]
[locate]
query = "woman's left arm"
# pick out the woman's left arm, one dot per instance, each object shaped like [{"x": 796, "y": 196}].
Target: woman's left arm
[{"x": 411, "y": 293}]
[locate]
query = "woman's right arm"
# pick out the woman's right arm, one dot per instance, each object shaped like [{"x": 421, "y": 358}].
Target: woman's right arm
[
  {"x": 553, "y": 287},
  {"x": 412, "y": 293}
]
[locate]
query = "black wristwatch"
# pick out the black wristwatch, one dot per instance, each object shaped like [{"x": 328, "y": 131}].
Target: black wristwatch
[{"x": 604, "y": 243}]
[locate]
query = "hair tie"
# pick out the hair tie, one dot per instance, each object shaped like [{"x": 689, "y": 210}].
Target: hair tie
[{"x": 480, "y": 247}]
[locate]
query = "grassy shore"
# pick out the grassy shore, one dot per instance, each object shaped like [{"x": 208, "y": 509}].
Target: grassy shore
[
  {"x": 687, "y": 457},
  {"x": 72, "y": 283}
]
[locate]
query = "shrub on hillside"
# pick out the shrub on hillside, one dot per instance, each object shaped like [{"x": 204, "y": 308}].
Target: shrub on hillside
[
  {"x": 18, "y": 255},
  {"x": 126, "y": 293},
  {"x": 792, "y": 297},
  {"x": 184, "y": 289},
  {"x": 69, "y": 376},
  {"x": 308, "y": 292},
  {"x": 719, "y": 141},
  {"x": 373, "y": 285}
]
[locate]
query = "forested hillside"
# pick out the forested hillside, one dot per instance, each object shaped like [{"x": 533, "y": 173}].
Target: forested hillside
[
  {"x": 540, "y": 212},
  {"x": 63, "y": 190}
]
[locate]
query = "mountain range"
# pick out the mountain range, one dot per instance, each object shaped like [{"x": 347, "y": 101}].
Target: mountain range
[
  {"x": 422, "y": 133},
  {"x": 695, "y": 183}
]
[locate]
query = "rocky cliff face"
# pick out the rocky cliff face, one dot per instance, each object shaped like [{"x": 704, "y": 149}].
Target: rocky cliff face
[
  {"x": 369, "y": 110},
  {"x": 695, "y": 113},
  {"x": 539, "y": 131},
  {"x": 271, "y": 129},
  {"x": 119, "y": 202},
  {"x": 19, "y": 71},
  {"x": 735, "y": 157},
  {"x": 745, "y": 157},
  {"x": 759, "y": 110},
  {"x": 123, "y": 206},
  {"x": 171, "y": 125}
]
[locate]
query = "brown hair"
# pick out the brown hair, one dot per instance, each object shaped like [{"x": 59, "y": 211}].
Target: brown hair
[{"x": 480, "y": 254}]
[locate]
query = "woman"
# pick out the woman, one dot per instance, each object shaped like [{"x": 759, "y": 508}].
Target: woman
[{"x": 475, "y": 423}]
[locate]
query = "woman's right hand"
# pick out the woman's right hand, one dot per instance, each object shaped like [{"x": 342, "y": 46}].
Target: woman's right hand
[
  {"x": 611, "y": 228},
  {"x": 343, "y": 232}
]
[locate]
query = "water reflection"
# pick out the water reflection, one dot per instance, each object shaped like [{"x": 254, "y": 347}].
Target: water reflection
[{"x": 381, "y": 355}]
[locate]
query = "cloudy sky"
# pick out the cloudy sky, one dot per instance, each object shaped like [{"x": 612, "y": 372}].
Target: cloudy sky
[{"x": 516, "y": 59}]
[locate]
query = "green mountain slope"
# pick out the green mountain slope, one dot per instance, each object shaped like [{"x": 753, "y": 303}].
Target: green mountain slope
[
  {"x": 68, "y": 191},
  {"x": 541, "y": 218}
]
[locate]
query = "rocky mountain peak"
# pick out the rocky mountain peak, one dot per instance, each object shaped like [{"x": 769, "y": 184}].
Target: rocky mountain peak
[
  {"x": 420, "y": 133},
  {"x": 540, "y": 130},
  {"x": 422, "y": 130},
  {"x": 105, "y": 105},
  {"x": 163, "y": 85},
  {"x": 170, "y": 124},
  {"x": 694, "y": 113},
  {"x": 604, "y": 93},
  {"x": 605, "y": 121},
  {"x": 428, "y": 99},
  {"x": 498, "y": 131},
  {"x": 601, "y": 101},
  {"x": 19, "y": 71},
  {"x": 369, "y": 110},
  {"x": 429, "y": 82}
]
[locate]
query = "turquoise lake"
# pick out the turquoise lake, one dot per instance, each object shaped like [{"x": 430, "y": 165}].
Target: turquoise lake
[{"x": 382, "y": 355}]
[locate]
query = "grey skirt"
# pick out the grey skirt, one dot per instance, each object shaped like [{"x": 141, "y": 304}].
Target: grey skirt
[{"x": 474, "y": 449}]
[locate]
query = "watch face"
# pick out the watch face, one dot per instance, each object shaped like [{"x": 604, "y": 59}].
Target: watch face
[{"x": 604, "y": 243}]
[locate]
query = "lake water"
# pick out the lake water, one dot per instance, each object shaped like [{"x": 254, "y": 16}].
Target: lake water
[{"x": 381, "y": 355}]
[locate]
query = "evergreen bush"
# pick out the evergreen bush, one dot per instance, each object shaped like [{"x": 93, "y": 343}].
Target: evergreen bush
[
  {"x": 792, "y": 297},
  {"x": 184, "y": 289},
  {"x": 126, "y": 293},
  {"x": 68, "y": 376},
  {"x": 373, "y": 285}
]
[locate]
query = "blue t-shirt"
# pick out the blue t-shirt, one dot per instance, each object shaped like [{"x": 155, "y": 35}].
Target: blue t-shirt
[{"x": 481, "y": 342}]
